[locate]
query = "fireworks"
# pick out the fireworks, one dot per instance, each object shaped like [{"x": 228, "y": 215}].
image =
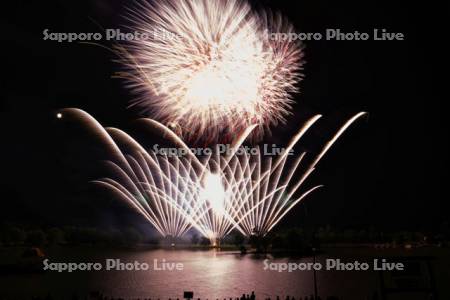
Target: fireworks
[
  {"x": 209, "y": 68},
  {"x": 214, "y": 195},
  {"x": 208, "y": 71}
]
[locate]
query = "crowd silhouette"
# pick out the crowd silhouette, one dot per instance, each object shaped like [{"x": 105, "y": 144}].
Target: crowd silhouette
[{"x": 95, "y": 295}]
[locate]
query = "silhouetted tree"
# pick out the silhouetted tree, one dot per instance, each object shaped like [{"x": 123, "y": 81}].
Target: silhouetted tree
[
  {"x": 194, "y": 239},
  {"x": 238, "y": 239},
  {"x": 204, "y": 241},
  {"x": 131, "y": 236},
  {"x": 55, "y": 236},
  {"x": 17, "y": 236},
  {"x": 36, "y": 238}
]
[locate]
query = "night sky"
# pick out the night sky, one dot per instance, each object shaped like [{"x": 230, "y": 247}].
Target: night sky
[{"x": 387, "y": 170}]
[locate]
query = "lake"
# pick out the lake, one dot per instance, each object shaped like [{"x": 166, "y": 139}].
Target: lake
[{"x": 209, "y": 274}]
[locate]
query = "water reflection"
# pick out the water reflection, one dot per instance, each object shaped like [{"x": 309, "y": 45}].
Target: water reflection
[{"x": 210, "y": 274}]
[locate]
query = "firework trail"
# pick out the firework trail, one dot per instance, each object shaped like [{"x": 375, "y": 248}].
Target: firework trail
[
  {"x": 208, "y": 68},
  {"x": 274, "y": 185},
  {"x": 156, "y": 194}
]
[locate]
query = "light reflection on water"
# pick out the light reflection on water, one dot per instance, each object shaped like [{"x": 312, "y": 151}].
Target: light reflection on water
[{"x": 209, "y": 274}]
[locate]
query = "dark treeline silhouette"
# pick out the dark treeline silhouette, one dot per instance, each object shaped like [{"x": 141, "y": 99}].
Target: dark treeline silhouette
[
  {"x": 13, "y": 235},
  {"x": 305, "y": 240},
  {"x": 291, "y": 238}
]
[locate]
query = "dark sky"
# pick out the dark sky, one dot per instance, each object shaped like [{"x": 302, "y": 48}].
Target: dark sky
[{"x": 386, "y": 170}]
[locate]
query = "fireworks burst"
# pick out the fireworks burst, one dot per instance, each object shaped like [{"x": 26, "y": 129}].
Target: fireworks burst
[
  {"x": 215, "y": 195},
  {"x": 209, "y": 68}
]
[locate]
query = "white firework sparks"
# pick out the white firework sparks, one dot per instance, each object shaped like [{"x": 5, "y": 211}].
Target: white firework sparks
[
  {"x": 208, "y": 68},
  {"x": 276, "y": 186},
  {"x": 249, "y": 193}
]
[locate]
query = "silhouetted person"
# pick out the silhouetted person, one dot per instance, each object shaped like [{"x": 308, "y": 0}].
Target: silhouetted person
[{"x": 252, "y": 296}]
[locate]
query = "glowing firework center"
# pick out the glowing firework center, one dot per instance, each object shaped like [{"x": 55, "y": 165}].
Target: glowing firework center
[{"x": 214, "y": 193}]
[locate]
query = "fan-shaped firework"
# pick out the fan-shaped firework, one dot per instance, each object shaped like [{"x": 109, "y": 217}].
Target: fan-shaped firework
[
  {"x": 208, "y": 68},
  {"x": 275, "y": 185},
  {"x": 241, "y": 190}
]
